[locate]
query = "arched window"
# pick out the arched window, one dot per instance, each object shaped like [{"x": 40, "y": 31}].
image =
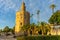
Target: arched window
[{"x": 21, "y": 23}]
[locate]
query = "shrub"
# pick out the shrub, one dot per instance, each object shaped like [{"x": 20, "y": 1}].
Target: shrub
[{"x": 39, "y": 38}]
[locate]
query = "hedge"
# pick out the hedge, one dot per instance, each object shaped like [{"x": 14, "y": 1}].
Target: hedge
[{"x": 39, "y": 38}]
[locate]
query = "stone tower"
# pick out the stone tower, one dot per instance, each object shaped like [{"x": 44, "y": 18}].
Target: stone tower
[{"x": 22, "y": 18}]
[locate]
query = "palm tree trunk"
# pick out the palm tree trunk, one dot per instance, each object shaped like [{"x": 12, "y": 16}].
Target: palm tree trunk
[
  {"x": 52, "y": 10},
  {"x": 38, "y": 18},
  {"x": 56, "y": 31},
  {"x": 32, "y": 17},
  {"x": 38, "y": 15},
  {"x": 42, "y": 33}
]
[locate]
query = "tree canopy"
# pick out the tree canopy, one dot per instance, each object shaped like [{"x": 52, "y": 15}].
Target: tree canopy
[
  {"x": 52, "y": 7},
  {"x": 55, "y": 18},
  {"x": 6, "y": 29}
]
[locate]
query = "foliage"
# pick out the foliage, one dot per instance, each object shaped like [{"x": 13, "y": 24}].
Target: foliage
[
  {"x": 38, "y": 12},
  {"x": 55, "y": 18},
  {"x": 39, "y": 38},
  {"x": 44, "y": 28},
  {"x": 52, "y": 7},
  {"x": 12, "y": 30},
  {"x": 6, "y": 29},
  {"x": 0, "y": 30},
  {"x": 29, "y": 28},
  {"x": 25, "y": 29},
  {"x": 34, "y": 29}
]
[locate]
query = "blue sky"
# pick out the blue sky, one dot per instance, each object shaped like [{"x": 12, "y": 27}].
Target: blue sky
[{"x": 8, "y": 10}]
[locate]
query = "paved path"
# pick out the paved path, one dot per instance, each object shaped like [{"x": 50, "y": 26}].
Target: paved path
[{"x": 7, "y": 38}]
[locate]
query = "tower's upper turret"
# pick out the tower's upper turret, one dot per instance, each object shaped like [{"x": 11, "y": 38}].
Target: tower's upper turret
[{"x": 23, "y": 6}]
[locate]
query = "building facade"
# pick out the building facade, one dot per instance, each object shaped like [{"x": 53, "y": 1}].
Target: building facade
[
  {"x": 22, "y": 18},
  {"x": 55, "y": 30}
]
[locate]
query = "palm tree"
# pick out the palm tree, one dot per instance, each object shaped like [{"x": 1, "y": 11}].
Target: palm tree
[
  {"x": 38, "y": 15},
  {"x": 52, "y": 7},
  {"x": 42, "y": 27},
  {"x": 26, "y": 29},
  {"x": 48, "y": 28},
  {"x": 32, "y": 17},
  {"x": 32, "y": 27},
  {"x": 45, "y": 28}
]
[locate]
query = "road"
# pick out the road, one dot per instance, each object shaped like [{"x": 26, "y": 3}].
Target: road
[{"x": 7, "y": 37}]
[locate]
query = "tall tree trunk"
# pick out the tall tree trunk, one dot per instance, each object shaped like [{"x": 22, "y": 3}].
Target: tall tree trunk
[
  {"x": 52, "y": 10},
  {"x": 42, "y": 33}
]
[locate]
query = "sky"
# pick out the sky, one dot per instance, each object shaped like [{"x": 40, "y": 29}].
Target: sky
[{"x": 8, "y": 9}]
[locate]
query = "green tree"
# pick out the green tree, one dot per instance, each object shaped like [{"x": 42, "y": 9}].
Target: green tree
[
  {"x": 33, "y": 28},
  {"x": 52, "y": 7},
  {"x": 12, "y": 30},
  {"x": 55, "y": 18},
  {"x": 6, "y": 29},
  {"x": 25, "y": 29},
  {"x": 30, "y": 29},
  {"x": 0, "y": 31},
  {"x": 44, "y": 27}
]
